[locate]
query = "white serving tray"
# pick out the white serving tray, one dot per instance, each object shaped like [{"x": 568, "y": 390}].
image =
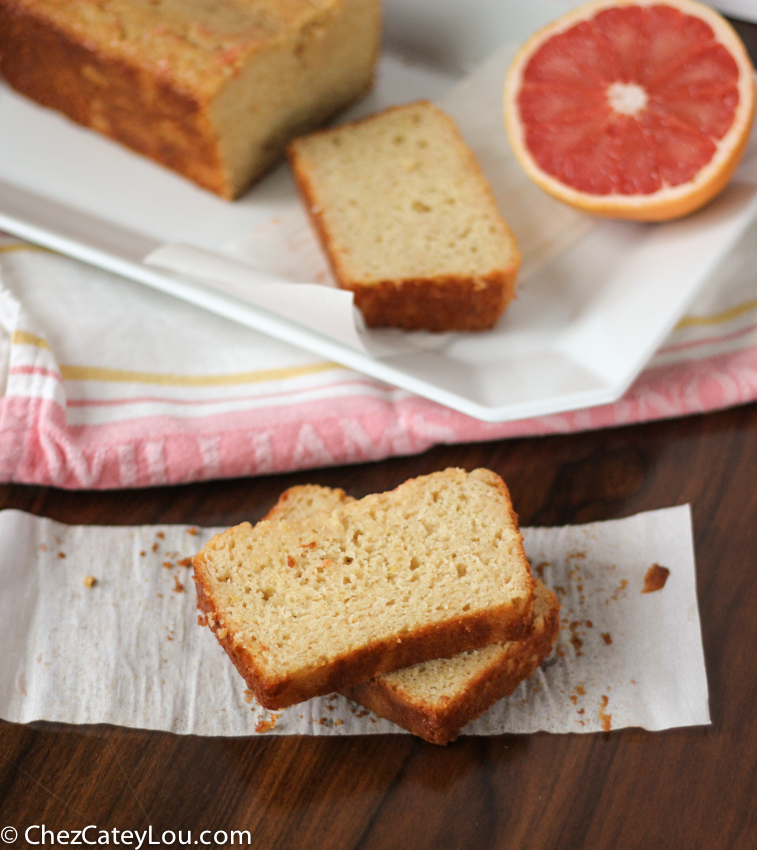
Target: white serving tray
[{"x": 578, "y": 335}]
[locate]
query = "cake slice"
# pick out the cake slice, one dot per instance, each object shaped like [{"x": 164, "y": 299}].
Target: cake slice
[
  {"x": 436, "y": 699},
  {"x": 311, "y": 606},
  {"x": 213, "y": 89},
  {"x": 408, "y": 221}
]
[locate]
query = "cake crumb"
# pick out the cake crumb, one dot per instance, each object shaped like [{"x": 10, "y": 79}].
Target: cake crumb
[
  {"x": 178, "y": 587},
  {"x": 202, "y": 620},
  {"x": 655, "y": 578},
  {"x": 185, "y": 562},
  {"x": 607, "y": 638},
  {"x": 154, "y": 547},
  {"x": 61, "y": 554},
  {"x": 90, "y": 581},
  {"x": 264, "y": 725},
  {"x": 161, "y": 535},
  {"x": 192, "y": 530},
  {"x": 142, "y": 554},
  {"x": 167, "y": 565},
  {"x": 249, "y": 696},
  {"x": 42, "y": 547},
  {"x": 603, "y": 716}
]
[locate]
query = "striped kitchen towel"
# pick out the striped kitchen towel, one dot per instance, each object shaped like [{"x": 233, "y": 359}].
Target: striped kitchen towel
[{"x": 108, "y": 384}]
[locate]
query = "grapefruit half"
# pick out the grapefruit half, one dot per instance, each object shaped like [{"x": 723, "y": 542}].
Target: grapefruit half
[{"x": 634, "y": 109}]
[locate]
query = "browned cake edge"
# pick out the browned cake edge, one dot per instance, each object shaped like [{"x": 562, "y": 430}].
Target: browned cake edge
[
  {"x": 442, "y": 725},
  {"x": 46, "y": 64},
  {"x": 497, "y": 625},
  {"x": 440, "y": 303}
]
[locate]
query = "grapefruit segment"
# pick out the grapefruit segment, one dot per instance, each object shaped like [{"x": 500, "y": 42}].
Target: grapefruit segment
[{"x": 632, "y": 108}]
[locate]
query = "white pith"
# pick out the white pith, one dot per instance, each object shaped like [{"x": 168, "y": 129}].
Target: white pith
[{"x": 627, "y": 98}]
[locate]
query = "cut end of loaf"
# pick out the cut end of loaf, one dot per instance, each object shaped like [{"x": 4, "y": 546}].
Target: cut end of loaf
[{"x": 408, "y": 221}]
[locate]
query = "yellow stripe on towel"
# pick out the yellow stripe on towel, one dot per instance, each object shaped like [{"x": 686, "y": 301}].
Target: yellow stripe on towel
[{"x": 94, "y": 373}]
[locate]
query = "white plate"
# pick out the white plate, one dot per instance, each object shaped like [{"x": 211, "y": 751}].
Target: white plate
[{"x": 579, "y": 333}]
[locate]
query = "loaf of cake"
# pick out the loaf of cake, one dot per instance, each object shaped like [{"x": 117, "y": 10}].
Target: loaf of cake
[
  {"x": 407, "y": 220},
  {"x": 212, "y": 89},
  {"x": 311, "y": 606},
  {"x": 436, "y": 699}
]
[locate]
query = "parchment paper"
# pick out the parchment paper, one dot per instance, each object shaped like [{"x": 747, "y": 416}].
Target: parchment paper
[{"x": 128, "y": 650}]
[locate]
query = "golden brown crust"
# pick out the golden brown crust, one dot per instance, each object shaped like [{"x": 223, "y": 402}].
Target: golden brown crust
[
  {"x": 441, "y": 303},
  {"x": 441, "y": 724},
  {"x": 129, "y": 104}
]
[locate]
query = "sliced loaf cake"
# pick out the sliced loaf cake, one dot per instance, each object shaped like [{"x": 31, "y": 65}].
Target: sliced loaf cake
[
  {"x": 408, "y": 221},
  {"x": 437, "y": 698},
  {"x": 310, "y": 606}
]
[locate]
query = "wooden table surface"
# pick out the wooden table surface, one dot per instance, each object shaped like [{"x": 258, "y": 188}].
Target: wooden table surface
[{"x": 685, "y": 788}]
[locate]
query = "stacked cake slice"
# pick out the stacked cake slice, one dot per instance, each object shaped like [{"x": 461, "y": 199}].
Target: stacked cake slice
[{"x": 362, "y": 597}]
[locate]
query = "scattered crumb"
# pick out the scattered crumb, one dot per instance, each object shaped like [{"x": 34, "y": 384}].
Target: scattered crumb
[
  {"x": 539, "y": 568},
  {"x": 178, "y": 587},
  {"x": 154, "y": 547},
  {"x": 574, "y": 699},
  {"x": 142, "y": 554},
  {"x": 169, "y": 637},
  {"x": 42, "y": 547},
  {"x": 607, "y": 638},
  {"x": 580, "y": 690},
  {"x": 574, "y": 555},
  {"x": 589, "y": 624},
  {"x": 167, "y": 565},
  {"x": 264, "y": 725},
  {"x": 633, "y": 681},
  {"x": 655, "y": 578},
  {"x": 61, "y": 554},
  {"x": 160, "y": 596},
  {"x": 249, "y": 696},
  {"x": 581, "y": 711},
  {"x": 603, "y": 716},
  {"x": 330, "y": 707},
  {"x": 185, "y": 562},
  {"x": 621, "y": 589},
  {"x": 338, "y": 722},
  {"x": 89, "y": 581},
  {"x": 202, "y": 620},
  {"x": 192, "y": 530},
  {"x": 161, "y": 535}
]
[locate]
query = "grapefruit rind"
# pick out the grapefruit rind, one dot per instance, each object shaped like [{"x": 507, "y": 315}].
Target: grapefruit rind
[{"x": 669, "y": 202}]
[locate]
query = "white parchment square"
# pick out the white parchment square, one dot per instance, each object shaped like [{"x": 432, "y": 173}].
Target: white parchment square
[{"x": 128, "y": 650}]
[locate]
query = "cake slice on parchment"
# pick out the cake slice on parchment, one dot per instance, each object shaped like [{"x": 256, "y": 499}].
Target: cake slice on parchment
[
  {"x": 408, "y": 221},
  {"x": 311, "y": 606},
  {"x": 437, "y": 698}
]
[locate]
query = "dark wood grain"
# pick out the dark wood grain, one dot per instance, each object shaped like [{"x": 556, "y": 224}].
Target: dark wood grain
[
  {"x": 689, "y": 788},
  {"x": 630, "y": 789}
]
